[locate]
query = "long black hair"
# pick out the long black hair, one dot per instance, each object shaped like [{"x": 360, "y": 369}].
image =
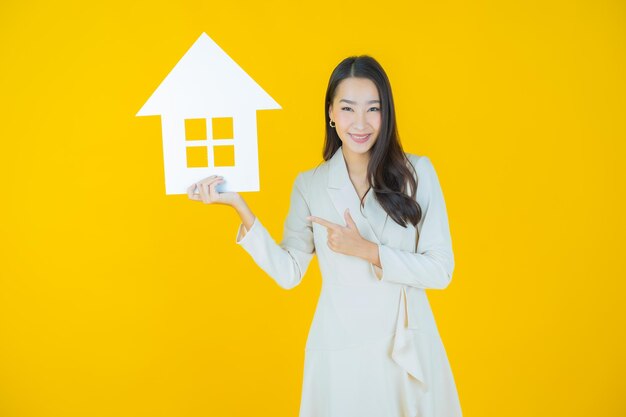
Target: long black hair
[{"x": 389, "y": 170}]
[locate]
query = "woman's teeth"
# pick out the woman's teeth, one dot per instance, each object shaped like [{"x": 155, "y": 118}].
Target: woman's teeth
[{"x": 360, "y": 138}]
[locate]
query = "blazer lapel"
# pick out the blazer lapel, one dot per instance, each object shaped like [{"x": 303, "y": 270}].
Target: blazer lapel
[{"x": 370, "y": 219}]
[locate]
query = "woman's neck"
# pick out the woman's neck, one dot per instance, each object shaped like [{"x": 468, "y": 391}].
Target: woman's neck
[{"x": 356, "y": 164}]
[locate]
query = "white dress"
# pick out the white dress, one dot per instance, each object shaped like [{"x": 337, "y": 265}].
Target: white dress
[{"x": 373, "y": 348}]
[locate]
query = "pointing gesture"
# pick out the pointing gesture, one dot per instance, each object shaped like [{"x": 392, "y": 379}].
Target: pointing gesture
[{"x": 342, "y": 239}]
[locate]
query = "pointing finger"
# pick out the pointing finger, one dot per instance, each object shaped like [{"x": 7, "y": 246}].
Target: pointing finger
[{"x": 323, "y": 222}]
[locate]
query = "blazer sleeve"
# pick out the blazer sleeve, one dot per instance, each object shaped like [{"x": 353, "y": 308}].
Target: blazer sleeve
[
  {"x": 432, "y": 266},
  {"x": 286, "y": 262}
]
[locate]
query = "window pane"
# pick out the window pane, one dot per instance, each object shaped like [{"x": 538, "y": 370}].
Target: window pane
[
  {"x": 224, "y": 155},
  {"x": 195, "y": 129},
  {"x": 197, "y": 156},
  {"x": 223, "y": 128}
]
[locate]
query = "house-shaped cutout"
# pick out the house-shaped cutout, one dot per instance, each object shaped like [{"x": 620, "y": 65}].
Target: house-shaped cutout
[{"x": 208, "y": 105}]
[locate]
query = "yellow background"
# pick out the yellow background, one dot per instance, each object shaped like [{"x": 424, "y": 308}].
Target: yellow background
[{"x": 117, "y": 300}]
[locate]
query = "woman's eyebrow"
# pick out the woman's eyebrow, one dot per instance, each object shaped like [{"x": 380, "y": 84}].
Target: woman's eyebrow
[{"x": 354, "y": 102}]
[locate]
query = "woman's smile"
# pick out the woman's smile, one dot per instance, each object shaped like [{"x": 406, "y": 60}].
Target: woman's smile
[{"x": 360, "y": 138}]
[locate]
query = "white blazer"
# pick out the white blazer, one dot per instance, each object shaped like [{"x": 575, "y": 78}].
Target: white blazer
[{"x": 360, "y": 302}]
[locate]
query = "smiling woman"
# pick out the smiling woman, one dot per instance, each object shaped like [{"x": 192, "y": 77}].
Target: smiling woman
[
  {"x": 356, "y": 121},
  {"x": 373, "y": 348}
]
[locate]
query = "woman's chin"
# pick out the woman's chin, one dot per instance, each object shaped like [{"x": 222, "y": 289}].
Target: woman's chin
[{"x": 357, "y": 148}]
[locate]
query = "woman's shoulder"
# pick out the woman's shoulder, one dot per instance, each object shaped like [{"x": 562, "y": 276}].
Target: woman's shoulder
[
  {"x": 417, "y": 160},
  {"x": 307, "y": 178},
  {"x": 424, "y": 169},
  {"x": 313, "y": 173}
]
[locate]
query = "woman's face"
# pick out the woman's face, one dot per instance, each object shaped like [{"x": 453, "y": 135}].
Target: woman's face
[{"x": 355, "y": 110}]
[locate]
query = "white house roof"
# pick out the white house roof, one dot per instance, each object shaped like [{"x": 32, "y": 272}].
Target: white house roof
[{"x": 207, "y": 81}]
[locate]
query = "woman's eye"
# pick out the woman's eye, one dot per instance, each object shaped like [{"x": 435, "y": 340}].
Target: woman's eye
[
  {"x": 375, "y": 108},
  {"x": 346, "y": 108}
]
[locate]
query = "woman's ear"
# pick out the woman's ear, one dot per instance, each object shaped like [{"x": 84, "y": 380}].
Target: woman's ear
[{"x": 330, "y": 112}]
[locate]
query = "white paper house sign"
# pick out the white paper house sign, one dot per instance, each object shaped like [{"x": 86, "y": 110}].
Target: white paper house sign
[{"x": 208, "y": 105}]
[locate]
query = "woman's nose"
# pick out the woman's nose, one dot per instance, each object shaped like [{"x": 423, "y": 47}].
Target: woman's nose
[{"x": 360, "y": 121}]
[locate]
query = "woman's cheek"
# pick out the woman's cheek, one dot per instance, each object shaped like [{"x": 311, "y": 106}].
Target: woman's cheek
[
  {"x": 375, "y": 120},
  {"x": 344, "y": 119}
]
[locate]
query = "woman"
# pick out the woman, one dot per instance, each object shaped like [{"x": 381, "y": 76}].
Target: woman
[{"x": 377, "y": 220}]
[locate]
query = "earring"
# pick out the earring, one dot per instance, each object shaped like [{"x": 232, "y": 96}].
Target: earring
[{"x": 331, "y": 123}]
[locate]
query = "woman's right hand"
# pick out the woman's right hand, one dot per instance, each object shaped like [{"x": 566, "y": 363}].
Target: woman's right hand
[{"x": 209, "y": 195}]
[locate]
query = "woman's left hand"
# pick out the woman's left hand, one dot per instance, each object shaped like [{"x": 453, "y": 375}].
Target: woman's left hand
[{"x": 342, "y": 239}]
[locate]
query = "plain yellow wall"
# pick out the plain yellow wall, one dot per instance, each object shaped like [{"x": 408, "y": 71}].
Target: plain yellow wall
[{"x": 117, "y": 300}]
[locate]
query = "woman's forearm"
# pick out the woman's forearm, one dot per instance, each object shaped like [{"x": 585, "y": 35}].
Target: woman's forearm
[
  {"x": 370, "y": 253},
  {"x": 246, "y": 215}
]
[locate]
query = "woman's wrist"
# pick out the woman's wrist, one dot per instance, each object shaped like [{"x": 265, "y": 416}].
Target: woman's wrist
[
  {"x": 244, "y": 212},
  {"x": 371, "y": 253},
  {"x": 238, "y": 202}
]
